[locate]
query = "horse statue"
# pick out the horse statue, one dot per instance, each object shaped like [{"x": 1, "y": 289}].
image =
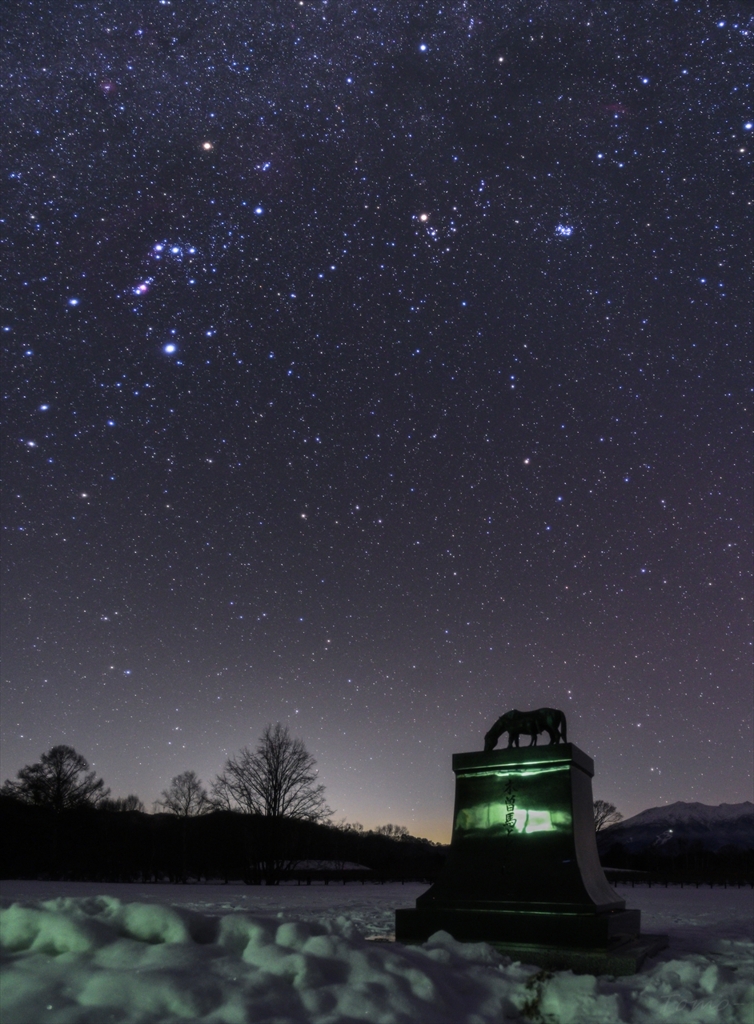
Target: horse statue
[{"x": 531, "y": 723}]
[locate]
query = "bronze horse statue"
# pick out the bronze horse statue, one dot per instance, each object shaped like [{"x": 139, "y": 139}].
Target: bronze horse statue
[{"x": 531, "y": 723}]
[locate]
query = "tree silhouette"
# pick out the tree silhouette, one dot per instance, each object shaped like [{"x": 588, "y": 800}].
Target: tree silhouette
[
  {"x": 394, "y": 831},
  {"x": 605, "y": 814},
  {"x": 185, "y": 797},
  {"x": 123, "y": 803},
  {"x": 60, "y": 780},
  {"x": 278, "y": 780}
]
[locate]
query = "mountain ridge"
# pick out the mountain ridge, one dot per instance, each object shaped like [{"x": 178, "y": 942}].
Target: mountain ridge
[
  {"x": 682, "y": 810},
  {"x": 674, "y": 826}
]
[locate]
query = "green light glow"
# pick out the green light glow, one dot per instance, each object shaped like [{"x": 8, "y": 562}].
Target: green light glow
[
  {"x": 495, "y": 815},
  {"x": 539, "y": 821},
  {"x": 517, "y": 773}
]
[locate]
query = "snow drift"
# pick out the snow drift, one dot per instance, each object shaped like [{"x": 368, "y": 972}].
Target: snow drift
[{"x": 96, "y": 959}]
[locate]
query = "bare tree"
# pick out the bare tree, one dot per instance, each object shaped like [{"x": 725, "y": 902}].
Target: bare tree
[
  {"x": 277, "y": 780},
  {"x": 59, "y": 780},
  {"x": 185, "y": 797},
  {"x": 394, "y": 831},
  {"x": 123, "y": 803},
  {"x": 349, "y": 826},
  {"x": 220, "y": 795},
  {"x": 605, "y": 814}
]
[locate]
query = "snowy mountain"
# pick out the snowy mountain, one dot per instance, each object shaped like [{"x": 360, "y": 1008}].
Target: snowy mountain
[{"x": 681, "y": 823}]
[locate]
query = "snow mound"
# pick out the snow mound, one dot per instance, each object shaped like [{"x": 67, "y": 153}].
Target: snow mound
[{"x": 98, "y": 959}]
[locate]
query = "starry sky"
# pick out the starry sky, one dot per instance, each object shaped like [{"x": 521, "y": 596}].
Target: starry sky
[{"x": 376, "y": 368}]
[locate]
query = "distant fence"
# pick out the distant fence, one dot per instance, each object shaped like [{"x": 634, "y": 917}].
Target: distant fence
[
  {"x": 622, "y": 876},
  {"x": 326, "y": 872}
]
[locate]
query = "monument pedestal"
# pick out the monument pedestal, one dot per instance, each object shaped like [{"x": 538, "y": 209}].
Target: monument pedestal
[{"x": 523, "y": 871}]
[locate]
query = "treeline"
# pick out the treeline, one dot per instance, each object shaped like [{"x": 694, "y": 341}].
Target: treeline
[
  {"x": 98, "y": 844},
  {"x": 686, "y": 862},
  {"x": 264, "y": 818}
]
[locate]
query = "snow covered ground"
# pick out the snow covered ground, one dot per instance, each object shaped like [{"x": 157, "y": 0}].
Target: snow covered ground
[{"x": 83, "y": 952}]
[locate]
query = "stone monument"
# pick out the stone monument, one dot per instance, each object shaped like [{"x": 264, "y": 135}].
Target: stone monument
[{"x": 523, "y": 871}]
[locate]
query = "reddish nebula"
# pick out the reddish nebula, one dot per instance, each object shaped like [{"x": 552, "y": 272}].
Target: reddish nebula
[{"x": 107, "y": 88}]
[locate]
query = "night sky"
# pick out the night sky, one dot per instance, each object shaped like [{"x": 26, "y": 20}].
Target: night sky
[{"x": 376, "y": 368}]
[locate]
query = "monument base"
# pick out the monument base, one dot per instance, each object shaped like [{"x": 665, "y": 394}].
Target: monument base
[
  {"x": 523, "y": 873},
  {"x": 586, "y": 931},
  {"x": 582, "y": 943}
]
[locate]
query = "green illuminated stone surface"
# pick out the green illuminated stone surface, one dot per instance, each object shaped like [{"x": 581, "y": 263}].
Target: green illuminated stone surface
[{"x": 523, "y": 870}]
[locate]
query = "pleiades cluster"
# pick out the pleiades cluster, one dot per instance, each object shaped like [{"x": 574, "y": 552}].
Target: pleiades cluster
[{"x": 376, "y": 368}]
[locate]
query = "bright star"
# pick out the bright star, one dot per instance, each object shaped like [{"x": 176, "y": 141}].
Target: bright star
[{"x": 170, "y": 348}]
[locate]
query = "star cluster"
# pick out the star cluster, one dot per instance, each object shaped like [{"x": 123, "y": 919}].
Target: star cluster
[{"x": 376, "y": 369}]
